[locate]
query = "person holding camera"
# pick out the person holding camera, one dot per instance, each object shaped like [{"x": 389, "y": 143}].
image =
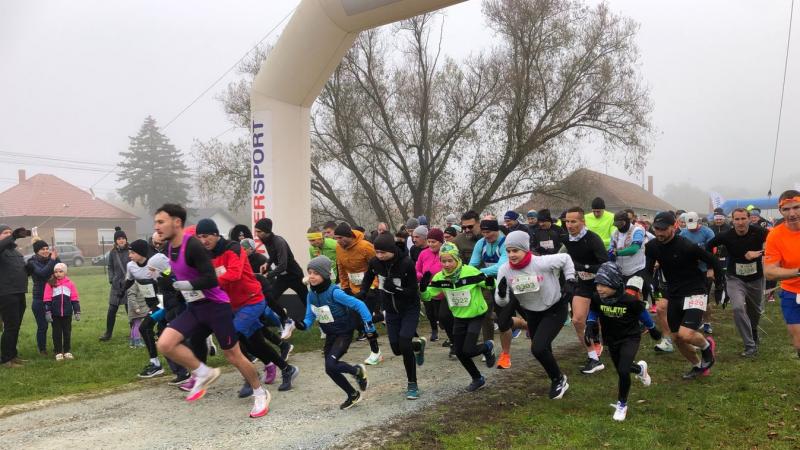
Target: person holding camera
[
  {"x": 41, "y": 267},
  {"x": 13, "y": 286}
]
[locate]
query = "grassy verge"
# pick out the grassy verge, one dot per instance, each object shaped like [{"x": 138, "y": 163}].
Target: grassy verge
[
  {"x": 746, "y": 403},
  {"x": 97, "y": 365}
]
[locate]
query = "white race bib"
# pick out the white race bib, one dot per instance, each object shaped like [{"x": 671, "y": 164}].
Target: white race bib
[
  {"x": 356, "y": 278},
  {"x": 458, "y": 298},
  {"x": 148, "y": 290},
  {"x": 382, "y": 281},
  {"x": 221, "y": 270},
  {"x": 744, "y": 270},
  {"x": 546, "y": 244},
  {"x": 695, "y": 302},
  {"x": 193, "y": 296},
  {"x": 323, "y": 313},
  {"x": 524, "y": 284},
  {"x": 586, "y": 276}
]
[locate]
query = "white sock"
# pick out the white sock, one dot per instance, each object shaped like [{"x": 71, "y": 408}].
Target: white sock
[
  {"x": 593, "y": 355},
  {"x": 260, "y": 392},
  {"x": 155, "y": 362},
  {"x": 703, "y": 347},
  {"x": 202, "y": 371}
]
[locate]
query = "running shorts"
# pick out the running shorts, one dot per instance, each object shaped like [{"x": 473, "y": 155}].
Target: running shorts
[
  {"x": 246, "y": 320},
  {"x": 203, "y": 316},
  {"x": 686, "y": 311},
  {"x": 790, "y": 307}
]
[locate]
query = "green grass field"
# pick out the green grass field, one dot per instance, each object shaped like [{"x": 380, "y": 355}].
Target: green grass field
[
  {"x": 97, "y": 365},
  {"x": 745, "y": 403}
]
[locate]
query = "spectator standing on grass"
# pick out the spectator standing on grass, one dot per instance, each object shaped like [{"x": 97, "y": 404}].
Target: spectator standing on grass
[
  {"x": 40, "y": 267},
  {"x": 61, "y": 303},
  {"x": 117, "y": 269},
  {"x": 13, "y": 286}
]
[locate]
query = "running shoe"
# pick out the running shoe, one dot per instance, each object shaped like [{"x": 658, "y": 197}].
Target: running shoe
[
  {"x": 260, "y": 405},
  {"x": 516, "y": 333},
  {"x": 420, "y": 355},
  {"x": 288, "y": 329},
  {"x": 361, "y": 377},
  {"x": 59, "y": 357},
  {"x": 322, "y": 334},
  {"x": 179, "y": 379},
  {"x": 374, "y": 358},
  {"x": 287, "y": 377},
  {"x": 665, "y": 346},
  {"x": 212, "y": 348},
  {"x": 592, "y": 366},
  {"x": 412, "y": 392},
  {"x": 476, "y": 384},
  {"x": 653, "y": 309},
  {"x": 707, "y": 328},
  {"x": 351, "y": 401},
  {"x": 750, "y": 353},
  {"x": 693, "y": 373},
  {"x": 202, "y": 383},
  {"x": 710, "y": 354},
  {"x": 434, "y": 336},
  {"x": 361, "y": 337},
  {"x": 104, "y": 337},
  {"x": 270, "y": 373},
  {"x": 491, "y": 358},
  {"x": 447, "y": 343},
  {"x": 620, "y": 411},
  {"x": 496, "y": 327},
  {"x": 504, "y": 361},
  {"x": 246, "y": 390},
  {"x": 67, "y": 355},
  {"x": 151, "y": 370},
  {"x": 286, "y": 350},
  {"x": 644, "y": 375},
  {"x": 558, "y": 388},
  {"x": 188, "y": 384},
  {"x": 452, "y": 353}
]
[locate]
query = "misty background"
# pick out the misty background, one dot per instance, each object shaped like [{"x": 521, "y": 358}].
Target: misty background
[{"x": 78, "y": 79}]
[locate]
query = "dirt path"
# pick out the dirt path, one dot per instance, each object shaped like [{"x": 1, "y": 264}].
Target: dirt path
[{"x": 306, "y": 417}]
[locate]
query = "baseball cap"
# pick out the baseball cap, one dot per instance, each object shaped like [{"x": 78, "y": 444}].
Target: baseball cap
[
  {"x": 692, "y": 220},
  {"x": 663, "y": 220}
]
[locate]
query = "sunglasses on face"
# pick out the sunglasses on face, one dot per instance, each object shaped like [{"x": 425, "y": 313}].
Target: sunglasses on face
[{"x": 467, "y": 227}]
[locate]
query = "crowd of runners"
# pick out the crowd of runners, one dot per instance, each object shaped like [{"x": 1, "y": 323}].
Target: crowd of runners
[{"x": 610, "y": 276}]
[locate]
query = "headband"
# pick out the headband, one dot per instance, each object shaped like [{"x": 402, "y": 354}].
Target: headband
[
  {"x": 314, "y": 236},
  {"x": 786, "y": 201}
]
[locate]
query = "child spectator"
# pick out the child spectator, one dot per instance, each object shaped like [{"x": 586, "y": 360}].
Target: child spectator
[{"x": 61, "y": 303}]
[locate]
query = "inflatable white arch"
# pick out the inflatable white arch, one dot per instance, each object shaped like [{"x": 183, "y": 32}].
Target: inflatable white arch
[{"x": 313, "y": 43}]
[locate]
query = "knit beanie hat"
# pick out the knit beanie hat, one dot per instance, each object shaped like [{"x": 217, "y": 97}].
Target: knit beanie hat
[
  {"x": 118, "y": 233},
  {"x": 598, "y": 203},
  {"x": 248, "y": 244},
  {"x": 421, "y": 231},
  {"x": 511, "y": 215},
  {"x": 449, "y": 230},
  {"x": 450, "y": 249},
  {"x": 544, "y": 216},
  {"x": 159, "y": 261},
  {"x": 264, "y": 225},
  {"x": 207, "y": 226},
  {"x": 451, "y": 218},
  {"x": 436, "y": 234},
  {"x": 140, "y": 246},
  {"x": 344, "y": 230},
  {"x": 489, "y": 225},
  {"x": 532, "y": 214},
  {"x": 385, "y": 242},
  {"x": 240, "y": 231},
  {"x": 38, "y": 245},
  {"x": 412, "y": 223},
  {"x": 322, "y": 265},
  {"x": 422, "y": 220},
  {"x": 518, "y": 239}
]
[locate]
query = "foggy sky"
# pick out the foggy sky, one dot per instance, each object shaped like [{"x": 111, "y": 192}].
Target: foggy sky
[{"x": 79, "y": 77}]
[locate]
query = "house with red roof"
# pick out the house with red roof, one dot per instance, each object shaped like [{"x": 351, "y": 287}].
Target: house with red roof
[{"x": 63, "y": 214}]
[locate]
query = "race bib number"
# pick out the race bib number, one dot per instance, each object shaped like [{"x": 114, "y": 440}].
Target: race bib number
[
  {"x": 193, "y": 296},
  {"x": 323, "y": 313},
  {"x": 547, "y": 244},
  {"x": 586, "y": 276},
  {"x": 356, "y": 278},
  {"x": 148, "y": 290},
  {"x": 746, "y": 269},
  {"x": 382, "y": 281},
  {"x": 695, "y": 302},
  {"x": 524, "y": 284},
  {"x": 458, "y": 298},
  {"x": 221, "y": 270}
]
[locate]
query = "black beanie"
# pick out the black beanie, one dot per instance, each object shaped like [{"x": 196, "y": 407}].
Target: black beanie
[
  {"x": 239, "y": 232},
  {"x": 206, "y": 226},
  {"x": 343, "y": 230},
  {"x": 544, "y": 215},
  {"x": 264, "y": 225},
  {"x": 140, "y": 246},
  {"x": 490, "y": 225},
  {"x": 598, "y": 203},
  {"x": 118, "y": 233},
  {"x": 38, "y": 245},
  {"x": 385, "y": 243}
]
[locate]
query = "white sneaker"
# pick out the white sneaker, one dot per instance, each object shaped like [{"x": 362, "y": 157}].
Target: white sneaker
[
  {"x": 644, "y": 376},
  {"x": 620, "y": 411},
  {"x": 374, "y": 358},
  {"x": 322, "y": 334},
  {"x": 68, "y": 356},
  {"x": 201, "y": 384},
  {"x": 288, "y": 329},
  {"x": 665, "y": 346},
  {"x": 260, "y": 405},
  {"x": 212, "y": 348},
  {"x": 59, "y": 356}
]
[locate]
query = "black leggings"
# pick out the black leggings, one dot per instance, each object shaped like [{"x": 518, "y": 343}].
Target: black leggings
[
  {"x": 62, "y": 334},
  {"x": 623, "y": 353},
  {"x": 445, "y": 317},
  {"x": 465, "y": 346},
  {"x": 111, "y": 317},
  {"x": 149, "y": 335},
  {"x": 288, "y": 281},
  {"x": 432, "y": 311},
  {"x": 543, "y": 327},
  {"x": 401, "y": 328},
  {"x": 505, "y": 316},
  {"x": 335, "y": 347},
  {"x": 258, "y": 347}
]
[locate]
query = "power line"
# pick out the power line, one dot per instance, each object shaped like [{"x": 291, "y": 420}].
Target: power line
[
  {"x": 780, "y": 108},
  {"x": 53, "y": 158}
]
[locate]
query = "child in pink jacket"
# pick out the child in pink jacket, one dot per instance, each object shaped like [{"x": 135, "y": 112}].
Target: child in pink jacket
[
  {"x": 60, "y": 304},
  {"x": 428, "y": 262}
]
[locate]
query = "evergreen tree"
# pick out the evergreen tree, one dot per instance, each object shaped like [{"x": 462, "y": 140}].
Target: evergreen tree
[{"x": 153, "y": 169}]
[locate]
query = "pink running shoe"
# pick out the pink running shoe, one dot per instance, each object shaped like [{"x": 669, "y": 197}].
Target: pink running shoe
[
  {"x": 201, "y": 384},
  {"x": 187, "y": 385},
  {"x": 270, "y": 373},
  {"x": 260, "y": 405}
]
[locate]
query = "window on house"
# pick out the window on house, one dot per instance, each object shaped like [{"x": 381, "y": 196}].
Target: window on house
[
  {"x": 64, "y": 236},
  {"x": 105, "y": 236}
]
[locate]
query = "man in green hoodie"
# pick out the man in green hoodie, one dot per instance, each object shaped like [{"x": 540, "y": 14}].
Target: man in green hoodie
[
  {"x": 600, "y": 221},
  {"x": 318, "y": 245}
]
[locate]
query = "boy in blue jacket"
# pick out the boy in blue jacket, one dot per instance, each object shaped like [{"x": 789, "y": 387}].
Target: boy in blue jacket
[{"x": 331, "y": 307}]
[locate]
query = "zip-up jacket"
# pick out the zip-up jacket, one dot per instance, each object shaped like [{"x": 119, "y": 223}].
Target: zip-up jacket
[
  {"x": 463, "y": 291},
  {"x": 13, "y": 279},
  {"x": 353, "y": 262},
  {"x": 400, "y": 270},
  {"x": 117, "y": 268},
  {"x": 62, "y": 299},
  {"x": 234, "y": 274},
  {"x": 281, "y": 256},
  {"x": 588, "y": 253},
  {"x": 40, "y": 269},
  {"x": 332, "y": 309},
  {"x": 489, "y": 256},
  {"x": 536, "y": 285},
  {"x": 328, "y": 249}
]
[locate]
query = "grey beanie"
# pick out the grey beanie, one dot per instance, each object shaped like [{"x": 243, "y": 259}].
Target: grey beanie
[
  {"x": 322, "y": 265},
  {"x": 412, "y": 223},
  {"x": 451, "y": 218},
  {"x": 4, "y": 227},
  {"x": 518, "y": 239},
  {"x": 421, "y": 231}
]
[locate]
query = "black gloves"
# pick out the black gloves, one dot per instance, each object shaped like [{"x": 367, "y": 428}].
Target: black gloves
[
  {"x": 390, "y": 287},
  {"x": 20, "y": 233},
  {"x": 425, "y": 281},
  {"x": 502, "y": 288},
  {"x": 300, "y": 325}
]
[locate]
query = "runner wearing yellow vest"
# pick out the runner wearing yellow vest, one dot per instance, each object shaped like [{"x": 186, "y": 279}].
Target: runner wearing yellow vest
[{"x": 600, "y": 221}]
